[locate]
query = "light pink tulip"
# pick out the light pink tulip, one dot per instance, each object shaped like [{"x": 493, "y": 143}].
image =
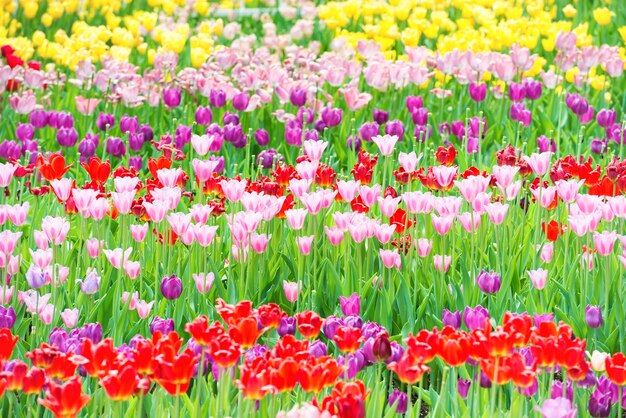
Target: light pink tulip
[
  {"x": 312, "y": 202},
  {"x": 41, "y": 239},
  {"x": 41, "y": 258},
  {"x": 125, "y": 184},
  {"x": 8, "y": 241},
  {"x": 292, "y": 290},
  {"x": 139, "y": 232},
  {"x": 538, "y": 278},
  {"x": 144, "y": 308},
  {"x": 547, "y": 251},
  {"x": 99, "y": 208},
  {"x": 299, "y": 186},
  {"x": 204, "y": 168},
  {"x": 201, "y": 143},
  {"x": 179, "y": 222},
  {"x": 385, "y": 143},
  {"x": 334, "y": 234},
  {"x": 442, "y": 224},
  {"x": 132, "y": 269},
  {"x": 307, "y": 169},
  {"x": 18, "y": 213},
  {"x": 469, "y": 224},
  {"x": 6, "y": 173},
  {"x": 6, "y": 294},
  {"x": 233, "y": 189},
  {"x": 123, "y": 201},
  {"x": 46, "y": 314},
  {"x": 497, "y": 212},
  {"x": 295, "y": 218},
  {"x": 444, "y": 174},
  {"x": 418, "y": 202},
  {"x": 315, "y": 149},
  {"x": 604, "y": 242},
  {"x": 70, "y": 317},
  {"x": 618, "y": 206},
  {"x": 511, "y": 191},
  {"x": 203, "y": 281},
  {"x": 587, "y": 203},
  {"x": 131, "y": 299},
  {"x": 423, "y": 246},
  {"x": 200, "y": 213},
  {"x": 118, "y": 256},
  {"x": 504, "y": 174},
  {"x": 83, "y": 199},
  {"x": 388, "y": 205},
  {"x": 539, "y": 163},
  {"x": 568, "y": 190},
  {"x": 409, "y": 161},
  {"x": 169, "y": 176},
  {"x": 348, "y": 189},
  {"x": 62, "y": 188},
  {"x": 258, "y": 242},
  {"x": 442, "y": 263},
  {"x": 156, "y": 210},
  {"x": 205, "y": 234},
  {"x": 544, "y": 195},
  {"x": 390, "y": 258},
  {"x": 305, "y": 244},
  {"x": 369, "y": 195}
]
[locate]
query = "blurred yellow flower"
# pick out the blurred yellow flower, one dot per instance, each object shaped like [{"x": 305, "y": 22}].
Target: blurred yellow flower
[{"x": 602, "y": 16}]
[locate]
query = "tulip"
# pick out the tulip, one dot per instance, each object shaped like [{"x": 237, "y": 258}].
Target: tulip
[
  {"x": 593, "y": 316},
  {"x": 350, "y": 305},
  {"x": 488, "y": 282},
  {"x": 292, "y": 290},
  {"x": 171, "y": 287},
  {"x": 399, "y": 399},
  {"x": 452, "y": 319},
  {"x": 538, "y": 278}
]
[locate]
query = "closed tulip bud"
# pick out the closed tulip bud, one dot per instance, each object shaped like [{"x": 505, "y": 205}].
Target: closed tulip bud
[
  {"x": 593, "y": 316},
  {"x": 381, "y": 348},
  {"x": 171, "y": 287}
]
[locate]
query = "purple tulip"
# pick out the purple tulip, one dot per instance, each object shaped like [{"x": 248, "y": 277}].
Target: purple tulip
[
  {"x": 478, "y": 92},
  {"x": 350, "y": 305},
  {"x": 599, "y": 146},
  {"x": 229, "y": 119},
  {"x": 422, "y": 133},
  {"x": 38, "y": 118},
  {"x": 10, "y": 149},
  {"x": 172, "y": 97},
  {"x": 67, "y": 137},
  {"x": 219, "y": 167},
  {"x": 600, "y": 404},
  {"x": 311, "y": 135},
  {"x": 606, "y": 117},
  {"x": 115, "y": 147},
  {"x": 420, "y": 116},
  {"x": 318, "y": 349},
  {"x": 331, "y": 325},
  {"x": 369, "y": 130},
  {"x": 475, "y": 318},
  {"x": 217, "y": 98},
  {"x": 145, "y": 131},
  {"x": 305, "y": 115},
  {"x": 297, "y": 97},
  {"x": 58, "y": 337},
  {"x": 262, "y": 137},
  {"x": 587, "y": 116},
  {"x": 293, "y": 137},
  {"x": 463, "y": 386},
  {"x": 7, "y": 317},
  {"x": 36, "y": 277},
  {"x": 546, "y": 317},
  {"x": 135, "y": 161},
  {"x": 171, "y": 287},
  {"x": 24, "y": 131},
  {"x": 546, "y": 144},
  {"x": 353, "y": 321},
  {"x": 287, "y": 326},
  {"x": 105, "y": 121},
  {"x": 65, "y": 120},
  {"x": 457, "y": 128},
  {"x": 353, "y": 143},
  {"x": 91, "y": 284},
  {"x": 399, "y": 399},
  {"x": 517, "y": 92},
  {"x": 128, "y": 125},
  {"x": 413, "y": 103},
  {"x": 557, "y": 390},
  {"x": 267, "y": 158},
  {"x": 204, "y": 116},
  {"x": 380, "y": 116},
  {"x": 615, "y": 134},
  {"x": 92, "y": 331},
  {"x": 241, "y": 101},
  {"x": 452, "y": 319},
  {"x": 164, "y": 325},
  {"x": 488, "y": 282},
  {"x": 182, "y": 136},
  {"x": 331, "y": 117},
  {"x": 593, "y": 316},
  {"x": 395, "y": 127},
  {"x": 533, "y": 89}
]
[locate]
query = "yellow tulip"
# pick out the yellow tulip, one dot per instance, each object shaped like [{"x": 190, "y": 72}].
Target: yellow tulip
[{"x": 602, "y": 16}]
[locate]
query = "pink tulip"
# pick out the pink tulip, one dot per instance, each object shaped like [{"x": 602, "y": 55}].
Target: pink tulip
[
  {"x": 384, "y": 233},
  {"x": 132, "y": 269},
  {"x": 46, "y": 313},
  {"x": 18, "y": 213},
  {"x": 117, "y": 257},
  {"x": 139, "y": 232},
  {"x": 70, "y": 317},
  {"x": 61, "y": 276},
  {"x": 442, "y": 224},
  {"x": 169, "y": 176},
  {"x": 299, "y": 186},
  {"x": 334, "y": 234},
  {"x": 41, "y": 239},
  {"x": 295, "y": 218},
  {"x": 497, "y": 212},
  {"x": 469, "y": 188},
  {"x": 444, "y": 174},
  {"x": 259, "y": 242},
  {"x": 579, "y": 224},
  {"x": 6, "y": 173},
  {"x": 408, "y": 161},
  {"x": 358, "y": 232},
  {"x": 369, "y": 195},
  {"x": 307, "y": 169},
  {"x": 41, "y": 258},
  {"x": 13, "y": 264},
  {"x": 587, "y": 203},
  {"x": 538, "y": 278},
  {"x": 418, "y": 202},
  {"x": 385, "y": 143},
  {"x": 233, "y": 189},
  {"x": 442, "y": 263},
  {"x": 448, "y": 205},
  {"x": 568, "y": 190},
  {"x": 156, "y": 210},
  {"x": 83, "y": 198},
  {"x": 482, "y": 200},
  {"x": 125, "y": 184},
  {"x": 328, "y": 197},
  {"x": 237, "y": 251},
  {"x": 144, "y": 308},
  {"x": 179, "y": 222},
  {"x": 347, "y": 189},
  {"x": 200, "y": 213},
  {"x": 292, "y": 290},
  {"x": 62, "y": 188},
  {"x": 544, "y": 195},
  {"x": 469, "y": 224},
  {"x": 203, "y": 281},
  {"x": 99, "y": 208},
  {"x": 201, "y": 143},
  {"x": 586, "y": 261},
  {"x": 123, "y": 201},
  {"x": 131, "y": 299},
  {"x": 539, "y": 163},
  {"x": 547, "y": 251},
  {"x": 607, "y": 211},
  {"x": 388, "y": 205},
  {"x": 8, "y": 241},
  {"x": 305, "y": 244},
  {"x": 6, "y": 294},
  {"x": 423, "y": 247},
  {"x": 315, "y": 149},
  {"x": 239, "y": 234},
  {"x": 504, "y": 174},
  {"x": 390, "y": 258},
  {"x": 511, "y": 191},
  {"x": 170, "y": 196},
  {"x": 618, "y": 206},
  {"x": 205, "y": 234},
  {"x": 204, "y": 168},
  {"x": 86, "y": 106},
  {"x": 24, "y": 104},
  {"x": 312, "y": 202},
  {"x": 605, "y": 242}
]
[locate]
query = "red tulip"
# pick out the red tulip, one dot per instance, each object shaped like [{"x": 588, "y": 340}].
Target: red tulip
[
  {"x": 348, "y": 339},
  {"x": 7, "y": 344},
  {"x": 120, "y": 384},
  {"x": 65, "y": 401},
  {"x": 408, "y": 369},
  {"x": 309, "y": 324},
  {"x": 53, "y": 168},
  {"x": 616, "y": 369}
]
